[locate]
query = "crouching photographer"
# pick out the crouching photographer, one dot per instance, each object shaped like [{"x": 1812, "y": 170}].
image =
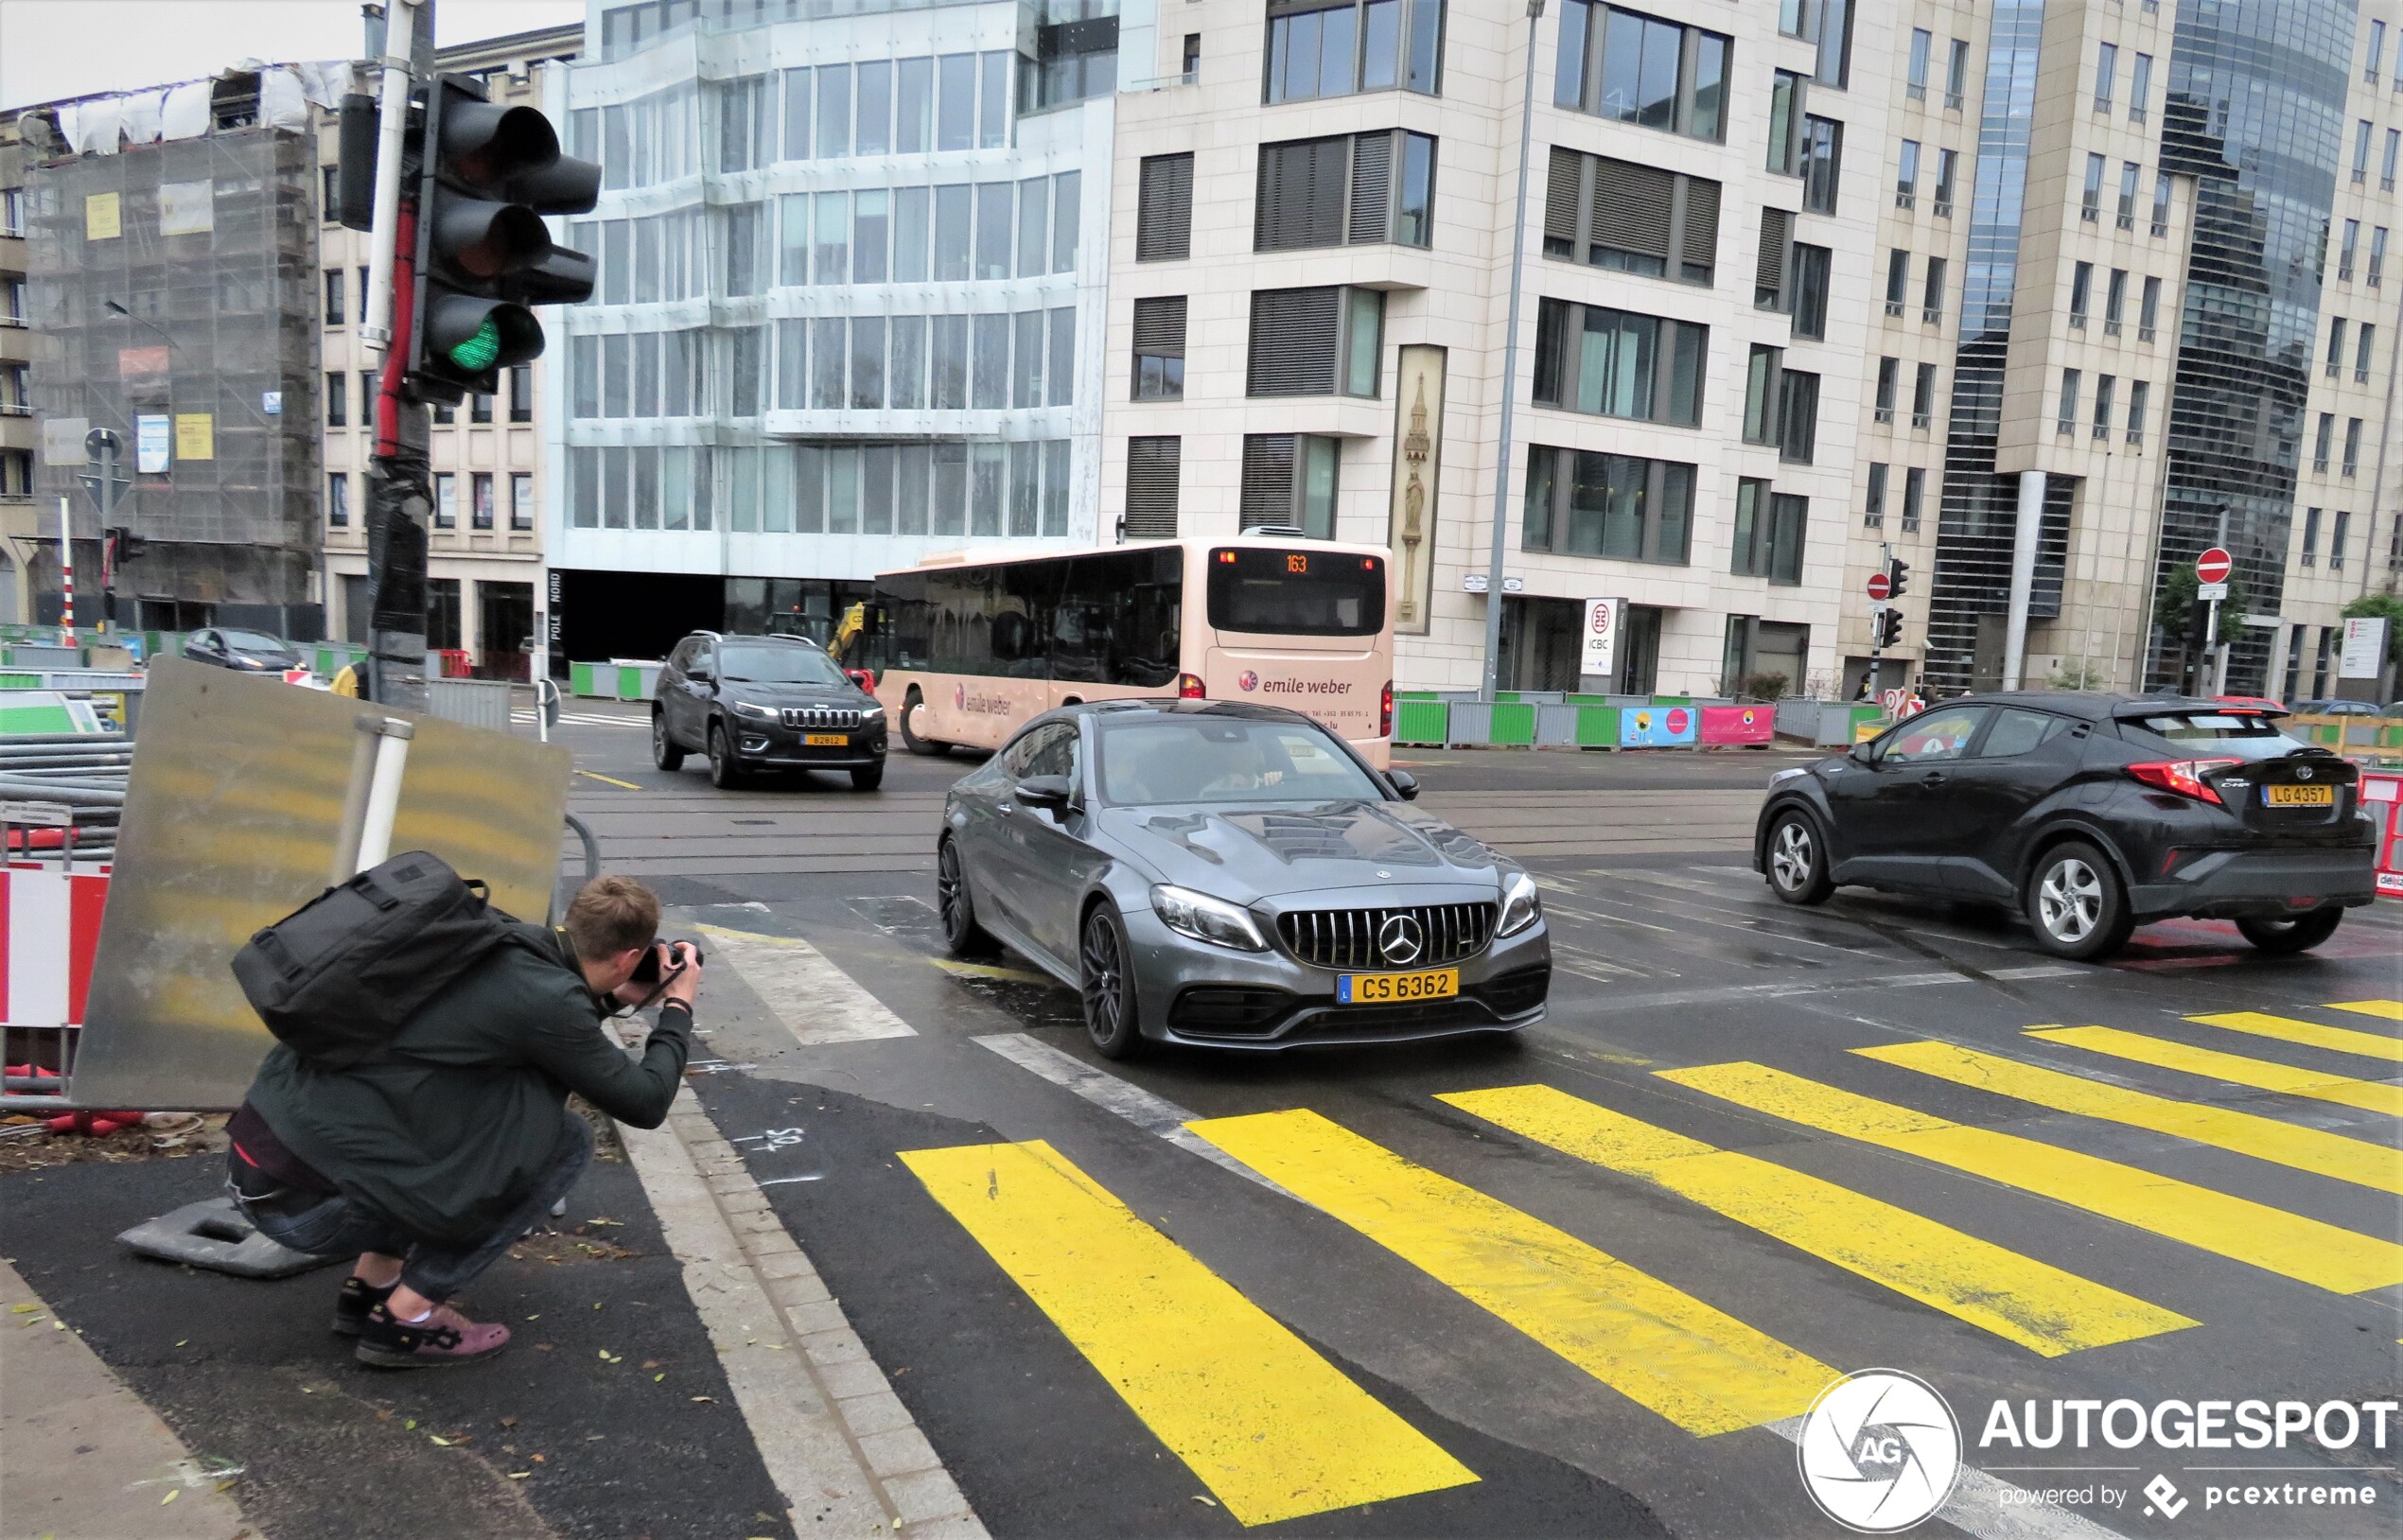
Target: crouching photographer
[{"x": 430, "y": 1152}]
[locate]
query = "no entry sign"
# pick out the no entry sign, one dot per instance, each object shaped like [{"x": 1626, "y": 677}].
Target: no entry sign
[
  {"x": 1879, "y": 585},
  {"x": 2214, "y": 566}
]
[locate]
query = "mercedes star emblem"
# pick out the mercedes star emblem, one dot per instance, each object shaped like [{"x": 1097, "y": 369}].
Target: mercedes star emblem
[{"x": 1401, "y": 940}]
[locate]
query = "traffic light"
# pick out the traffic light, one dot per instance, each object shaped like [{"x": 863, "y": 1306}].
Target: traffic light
[
  {"x": 488, "y": 174},
  {"x": 1897, "y": 578},
  {"x": 1889, "y": 625}
]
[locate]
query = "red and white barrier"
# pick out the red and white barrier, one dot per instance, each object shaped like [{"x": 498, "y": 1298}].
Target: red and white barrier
[
  {"x": 49, "y": 929},
  {"x": 2382, "y": 800}
]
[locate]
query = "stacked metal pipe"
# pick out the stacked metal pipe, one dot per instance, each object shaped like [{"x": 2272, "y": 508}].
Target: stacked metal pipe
[{"x": 82, "y": 772}]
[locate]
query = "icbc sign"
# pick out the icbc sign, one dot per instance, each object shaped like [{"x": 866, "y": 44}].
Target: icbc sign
[{"x": 1604, "y": 622}]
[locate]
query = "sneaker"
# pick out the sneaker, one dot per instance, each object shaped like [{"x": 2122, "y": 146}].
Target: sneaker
[
  {"x": 353, "y": 1304},
  {"x": 442, "y": 1340}
]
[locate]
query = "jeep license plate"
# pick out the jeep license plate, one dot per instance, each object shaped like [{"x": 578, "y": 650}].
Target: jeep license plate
[{"x": 828, "y": 740}]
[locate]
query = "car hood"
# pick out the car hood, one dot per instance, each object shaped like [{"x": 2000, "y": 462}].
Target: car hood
[{"x": 1246, "y": 853}]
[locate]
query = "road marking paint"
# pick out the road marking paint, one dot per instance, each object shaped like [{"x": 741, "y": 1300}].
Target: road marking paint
[
  {"x": 2390, "y": 1009},
  {"x": 611, "y": 779},
  {"x": 1699, "y": 1368},
  {"x": 1014, "y": 976},
  {"x": 1270, "y": 1427},
  {"x": 2287, "y": 1244},
  {"x": 2037, "y": 1305},
  {"x": 2260, "y": 1074},
  {"x": 2340, "y": 1039},
  {"x": 1715, "y": 994},
  {"x": 2316, "y": 1150},
  {"x": 815, "y": 1000},
  {"x": 1154, "y": 1115}
]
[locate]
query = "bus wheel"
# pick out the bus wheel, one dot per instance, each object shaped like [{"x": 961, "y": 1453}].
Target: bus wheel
[{"x": 930, "y": 747}]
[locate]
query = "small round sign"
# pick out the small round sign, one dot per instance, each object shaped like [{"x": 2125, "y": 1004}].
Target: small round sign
[
  {"x": 2214, "y": 566},
  {"x": 1879, "y": 585}
]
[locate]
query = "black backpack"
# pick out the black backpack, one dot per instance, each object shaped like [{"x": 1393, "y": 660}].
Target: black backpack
[{"x": 338, "y": 976}]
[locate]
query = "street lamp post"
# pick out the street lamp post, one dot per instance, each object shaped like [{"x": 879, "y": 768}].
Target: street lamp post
[{"x": 1510, "y": 366}]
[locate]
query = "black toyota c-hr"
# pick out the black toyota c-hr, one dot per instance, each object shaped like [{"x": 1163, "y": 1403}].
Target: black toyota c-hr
[
  {"x": 764, "y": 703},
  {"x": 2092, "y": 813}
]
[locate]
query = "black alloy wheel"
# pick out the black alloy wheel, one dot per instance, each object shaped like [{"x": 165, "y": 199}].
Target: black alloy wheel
[
  {"x": 664, "y": 752},
  {"x": 868, "y": 776},
  {"x": 928, "y": 747},
  {"x": 2074, "y": 901},
  {"x": 957, "y": 911},
  {"x": 1797, "y": 860},
  {"x": 1107, "y": 986},
  {"x": 2301, "y": 934},
  {"x": 722, "y": 772}
]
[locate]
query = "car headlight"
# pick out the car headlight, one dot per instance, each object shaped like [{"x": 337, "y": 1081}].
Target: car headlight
[
  {"x": 1522, "y": 906},
  {"x": 1206, "y": 919},
  {"x": 757, "y": 713}
]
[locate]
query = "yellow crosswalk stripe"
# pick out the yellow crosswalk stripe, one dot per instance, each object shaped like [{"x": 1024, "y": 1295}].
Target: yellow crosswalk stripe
[
  {"x": 2283, "y": 1243},
  {"x": 2315, "y": 1151},
  {"x": 2035, "y": 1304},
  {"x": 1699, "y": 1368},
  {"x": 1270, "y": 1427},
  {"x": 2260, "y": 1074},
  {"x": 2391, "y": 1009},
  {"x": 2341, "y": 1039}
]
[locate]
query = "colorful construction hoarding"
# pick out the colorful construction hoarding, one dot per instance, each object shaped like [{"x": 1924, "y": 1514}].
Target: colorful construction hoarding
[
  {"x": 1738, "y": 724},
  {"x": 1657, "y": 727}
]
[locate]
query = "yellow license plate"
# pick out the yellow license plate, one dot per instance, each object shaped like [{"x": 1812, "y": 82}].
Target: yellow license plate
[
  {"x": 1387, "y": 988},
  {"x": 2299, "y": 796},
  {"x": 828, "y": 740}
]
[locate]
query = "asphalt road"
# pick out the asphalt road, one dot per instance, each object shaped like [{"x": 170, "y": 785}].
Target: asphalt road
[{"x": 1751, "y": 1148}]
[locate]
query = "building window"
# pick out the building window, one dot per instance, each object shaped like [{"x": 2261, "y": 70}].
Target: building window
[
  {"x": 1798, "y": 415},
  {"x": 2106, "y": 388},
  {"x": 441, "y": 615},
  {"x": 2106, "y": 75},
  {"x": 1827, "y": 24},
  {"x": 446, "y": 500},
  {"x": 1769, "y": 528},
  {"x": 1344, "y": 190},
  {"x": 2362, "y": 353},
  {"x": 2114, "y": 301},
  {"x": 1822, "y": 163},
  {"x": 1773, "y": 268},
  {"x": 1897, "y": 280},
  {"x": 2139, "y": 394},
  {"x": 2089, "y": 207},
  {"x": 744, "y": 122},
  {"x": 1583, "y": 502},
  {"x": 2323, "y": 443},
  {"x": 1813, "y": 268},
  {"x": 16, "y": 473},
  {"x": 1873, "y": 508},
  {"x": 1889, "y": 378},
  {"x": 1291, "y": 479},
  {"x": 2139, "y": 87},
  {"x": 1957, "y": 75},
  {"x": 329, "y": 204},
  {"x": 1932, "y": 295},
  {"x": 521, "y": 393},
  {"x": 335, "y": 309},
  {"x": 1760, "y": 393},
  {"x": 2352, "y": 445},
  {"x": 479, "y": 405},
  {"x": 2345, "y": 252},
  {"x": 2161, "y": 202},
  {"x": 1159, "y": 349},
  {"x": 1191, "y": 68},
  {"x": 12, "y": 311},
  {"x": 2082, "y": 287},
  {"x": 1785, "y": 124},
  {"x": 2065, "y": 420},
  {"x": 2149, "y": 314},
  {"x": 1923, "y": 397},
  {"x": 1633, "y": 68},
  {"x": 2386, "y": 167},
  {"x": 371, "y": 388},
  {"x": 1914, "y": 496},
  {"x": 2311, "y": 553},
  {"x": 2130, "y": 173},
  {"x": 1630, "y": 219},
  {"x": 338, "y": 499},
  {"x": 1907, "y": 175},
  {"x": 2375, "y": 272},
  {"x": 2361, "y": 153},
  {"x": 480, "y": 508},
  {"x": 522, "y": 500},
  {"x": 1164, "y": 209},
  {"x": 1947, "y": 163},
  {"x": 2338, "y": 528},
  {"x": 1922, "y": 44},
  {"x": 337, "y": 398},
  {"x": 1616, "y": 364},
  {"x": 1153, "y": 469},
  {"x": 1315, "y": 341},
  {"x": 2378, "y": 47},
  {"x": 2335, "y": 346},
  {"x": 1315, "y": 49}
]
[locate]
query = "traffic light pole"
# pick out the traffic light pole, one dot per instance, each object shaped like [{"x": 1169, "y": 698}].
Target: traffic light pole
[
  {"x": 399, "y": 498},
  {"x": 1877, "y": 629}
]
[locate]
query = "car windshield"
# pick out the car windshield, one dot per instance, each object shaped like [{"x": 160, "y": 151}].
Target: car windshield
[
  {"x": 1228, "y": 760},
  {"x": 254, "y": 642},
  {"x": 2241, "y": 735},
  {"x": 779, "y": 666}
]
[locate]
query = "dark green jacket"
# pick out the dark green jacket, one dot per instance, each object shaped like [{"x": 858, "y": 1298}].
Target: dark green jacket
[{"x": 447, "y": 1128}]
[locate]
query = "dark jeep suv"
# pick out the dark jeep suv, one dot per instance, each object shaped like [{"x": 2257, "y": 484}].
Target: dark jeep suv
[{"x": 764, "y": 703}]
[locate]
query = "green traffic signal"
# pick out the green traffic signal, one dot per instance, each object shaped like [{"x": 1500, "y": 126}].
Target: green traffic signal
[{"x": 478, "y": 351}]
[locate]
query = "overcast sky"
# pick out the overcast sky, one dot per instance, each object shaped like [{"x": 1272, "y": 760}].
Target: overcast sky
[{"x": 52, "y": 49}]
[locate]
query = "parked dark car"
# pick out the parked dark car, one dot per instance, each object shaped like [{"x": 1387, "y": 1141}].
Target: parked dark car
[
  {"x": 1217, "y": 873},
  {"x": 252, "y": 652},
  {"x": 764, "y": 703},
  {"x": 2091, "y": 814},
  {"x": 2330, "y": 706}
]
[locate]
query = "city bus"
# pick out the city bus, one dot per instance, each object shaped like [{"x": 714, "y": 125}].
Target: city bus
[{"x": 965, "y": 651}]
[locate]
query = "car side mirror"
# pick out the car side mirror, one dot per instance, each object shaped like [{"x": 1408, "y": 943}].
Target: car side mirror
[
  {"x": 1865, "y": 753},
  {"x": 1405, "y": 784},
  {"x": 1049, "y": 792}
]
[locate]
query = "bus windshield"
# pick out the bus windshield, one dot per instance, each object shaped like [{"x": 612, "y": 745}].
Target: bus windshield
[{"x": 1303, "y": 593}]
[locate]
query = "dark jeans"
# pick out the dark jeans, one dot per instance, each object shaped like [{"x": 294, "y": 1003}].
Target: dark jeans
[{"x": 343, "y": 1226}]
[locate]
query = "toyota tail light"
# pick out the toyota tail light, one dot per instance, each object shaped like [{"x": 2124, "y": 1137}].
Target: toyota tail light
[
  {"x": 1190, "y": 688},
  {"x": 1385, "y": 711},
  {"x": 2183, "y": 777}
]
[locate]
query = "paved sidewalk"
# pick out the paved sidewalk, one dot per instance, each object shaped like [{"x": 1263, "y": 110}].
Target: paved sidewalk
[{"x": 86, "y": 1458}]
